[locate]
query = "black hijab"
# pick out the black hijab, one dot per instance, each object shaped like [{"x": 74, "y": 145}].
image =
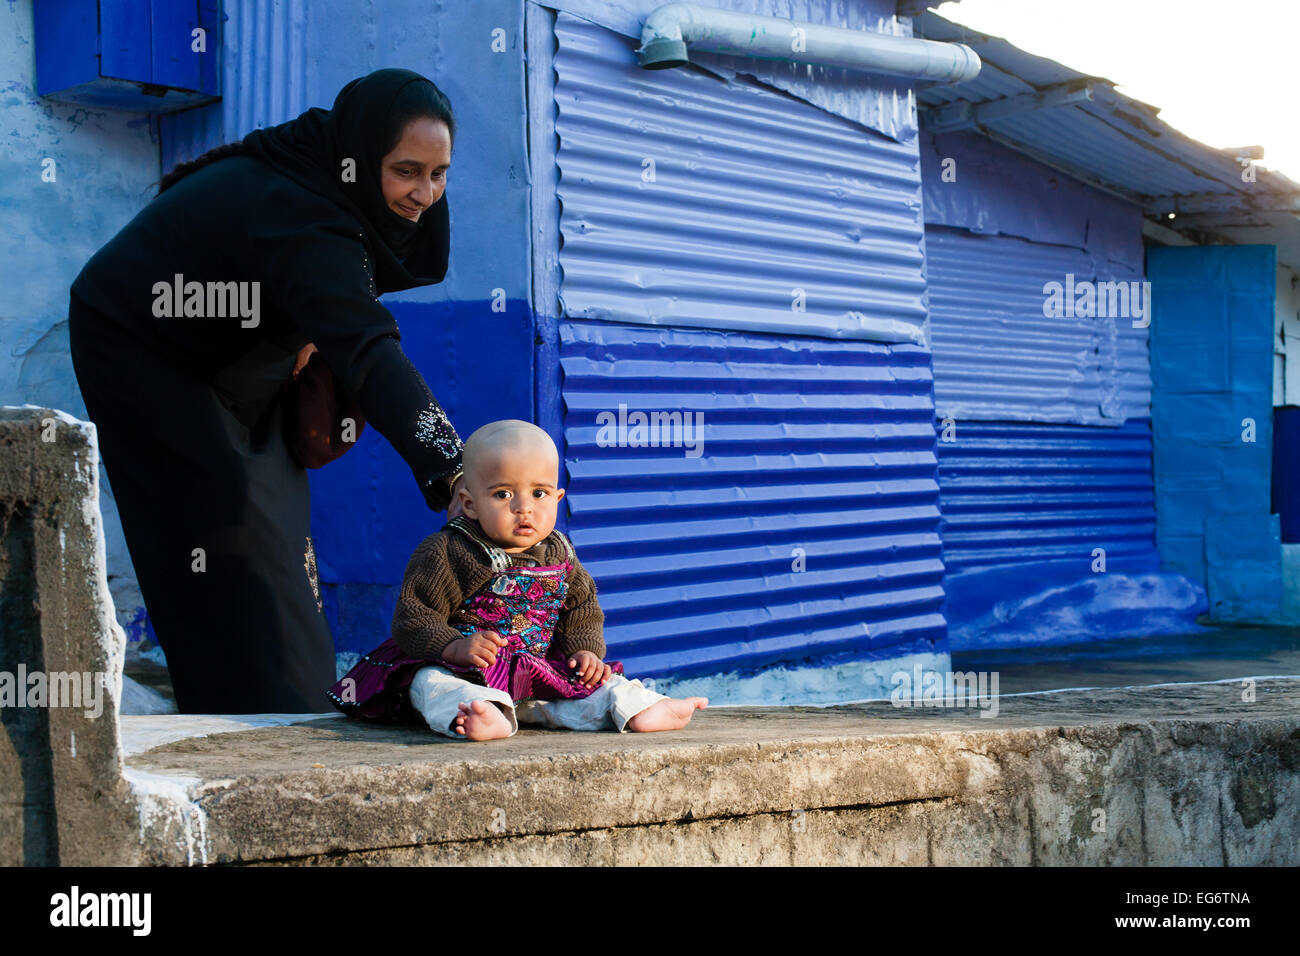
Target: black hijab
[{"x": 311, "y": 149}]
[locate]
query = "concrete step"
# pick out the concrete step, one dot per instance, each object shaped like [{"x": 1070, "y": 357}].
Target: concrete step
[{"x": 1172, "y": 775}]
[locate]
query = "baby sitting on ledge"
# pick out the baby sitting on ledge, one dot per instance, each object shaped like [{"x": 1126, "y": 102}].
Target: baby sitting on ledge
[{"x": 498, "y": 599}]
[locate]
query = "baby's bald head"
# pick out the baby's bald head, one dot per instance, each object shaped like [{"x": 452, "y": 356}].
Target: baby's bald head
[
  {"x": 510, "y": 438},
  {"x": 512, "y": 470}
]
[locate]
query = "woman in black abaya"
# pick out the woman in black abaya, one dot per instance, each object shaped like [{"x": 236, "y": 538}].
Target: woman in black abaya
[{"x": 312, "y": 220}]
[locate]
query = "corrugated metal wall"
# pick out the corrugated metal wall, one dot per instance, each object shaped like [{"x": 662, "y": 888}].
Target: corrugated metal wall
[
  {"x": 1027, "y": 479},
  {"x": 997, "y": 357},
  {"x": 1018, "y": 493},
  {"x": 1050, "y": 416},
  {"x": 1025, "y": 507},
  {"x": 690, "y": 201},
  {"x": 808, "y": 525},
  {"x": 809, "y": 445}
]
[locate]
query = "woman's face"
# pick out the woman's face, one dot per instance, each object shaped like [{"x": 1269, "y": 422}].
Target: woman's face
[{"x": 414, "y": 174}]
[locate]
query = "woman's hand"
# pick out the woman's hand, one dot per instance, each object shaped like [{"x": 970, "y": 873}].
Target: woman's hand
[
  {"x": 304, "y": 356},
  {"x": 478, "y": 650},
  {"x": 591, "y": 670}
]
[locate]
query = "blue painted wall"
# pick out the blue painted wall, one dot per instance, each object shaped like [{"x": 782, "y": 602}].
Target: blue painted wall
[
  {"x": 998, "y": 191},
  {"x": 104, "y": 166}
]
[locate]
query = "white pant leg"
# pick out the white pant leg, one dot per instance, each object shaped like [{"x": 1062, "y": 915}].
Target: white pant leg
[
  {"x": 437, "y": 694},
  {"x": 613, "y": 704}
]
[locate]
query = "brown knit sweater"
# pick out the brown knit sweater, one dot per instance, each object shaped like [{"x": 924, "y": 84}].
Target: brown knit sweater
[{"x": 448, "y": 567}]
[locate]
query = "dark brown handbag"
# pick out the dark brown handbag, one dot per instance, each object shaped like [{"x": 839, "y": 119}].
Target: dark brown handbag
[{"x": 316, "y": 411}]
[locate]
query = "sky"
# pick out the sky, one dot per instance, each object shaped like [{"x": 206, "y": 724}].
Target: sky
[{"x": 1227, "y": 74}]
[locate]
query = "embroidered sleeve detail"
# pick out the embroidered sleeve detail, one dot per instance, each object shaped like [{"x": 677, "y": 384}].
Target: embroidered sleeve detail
[{"x": 433, "y": 428}]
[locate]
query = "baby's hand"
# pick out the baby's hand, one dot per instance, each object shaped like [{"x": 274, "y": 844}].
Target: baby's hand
[
  {"x": 591, "y": 670},
  {"x": 480, "y": 649}
]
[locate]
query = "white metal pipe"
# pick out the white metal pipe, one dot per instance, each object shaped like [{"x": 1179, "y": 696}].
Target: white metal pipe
[{"x": 669, "y": 29}]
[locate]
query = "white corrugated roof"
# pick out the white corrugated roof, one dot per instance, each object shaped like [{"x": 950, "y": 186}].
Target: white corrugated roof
[{"x": 1082, "y": 126}]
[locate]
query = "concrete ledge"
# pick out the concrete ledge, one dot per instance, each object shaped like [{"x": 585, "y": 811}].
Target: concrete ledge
[
  {"x": 62, "y": 795},
  {"x": 1185, "y": 775}
]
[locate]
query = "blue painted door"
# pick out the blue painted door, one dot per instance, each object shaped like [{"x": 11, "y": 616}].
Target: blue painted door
[{"x": 1211, "y": 410}]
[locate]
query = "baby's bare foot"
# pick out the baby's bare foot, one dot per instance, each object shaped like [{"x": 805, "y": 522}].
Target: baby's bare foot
[
  {"x": 481, "y": 720},
  {"x": 672, "y": 713}
]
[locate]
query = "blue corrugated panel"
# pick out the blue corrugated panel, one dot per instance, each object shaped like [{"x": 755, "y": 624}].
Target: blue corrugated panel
[
  {"x": 1017, "y": 494},
  {"x": 1029, "y": 512},
  {"x": 810, "y": 446},
  {"x": 763, "y": 212},
  {"x": 997, "y": 357}
]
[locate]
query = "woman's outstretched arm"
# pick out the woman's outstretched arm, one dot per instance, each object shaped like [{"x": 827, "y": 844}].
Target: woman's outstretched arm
[{"x": 318, "y": 272}]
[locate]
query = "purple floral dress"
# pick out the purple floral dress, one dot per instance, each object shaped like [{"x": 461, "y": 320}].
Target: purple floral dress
[{"x": 521, "y": 603}]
